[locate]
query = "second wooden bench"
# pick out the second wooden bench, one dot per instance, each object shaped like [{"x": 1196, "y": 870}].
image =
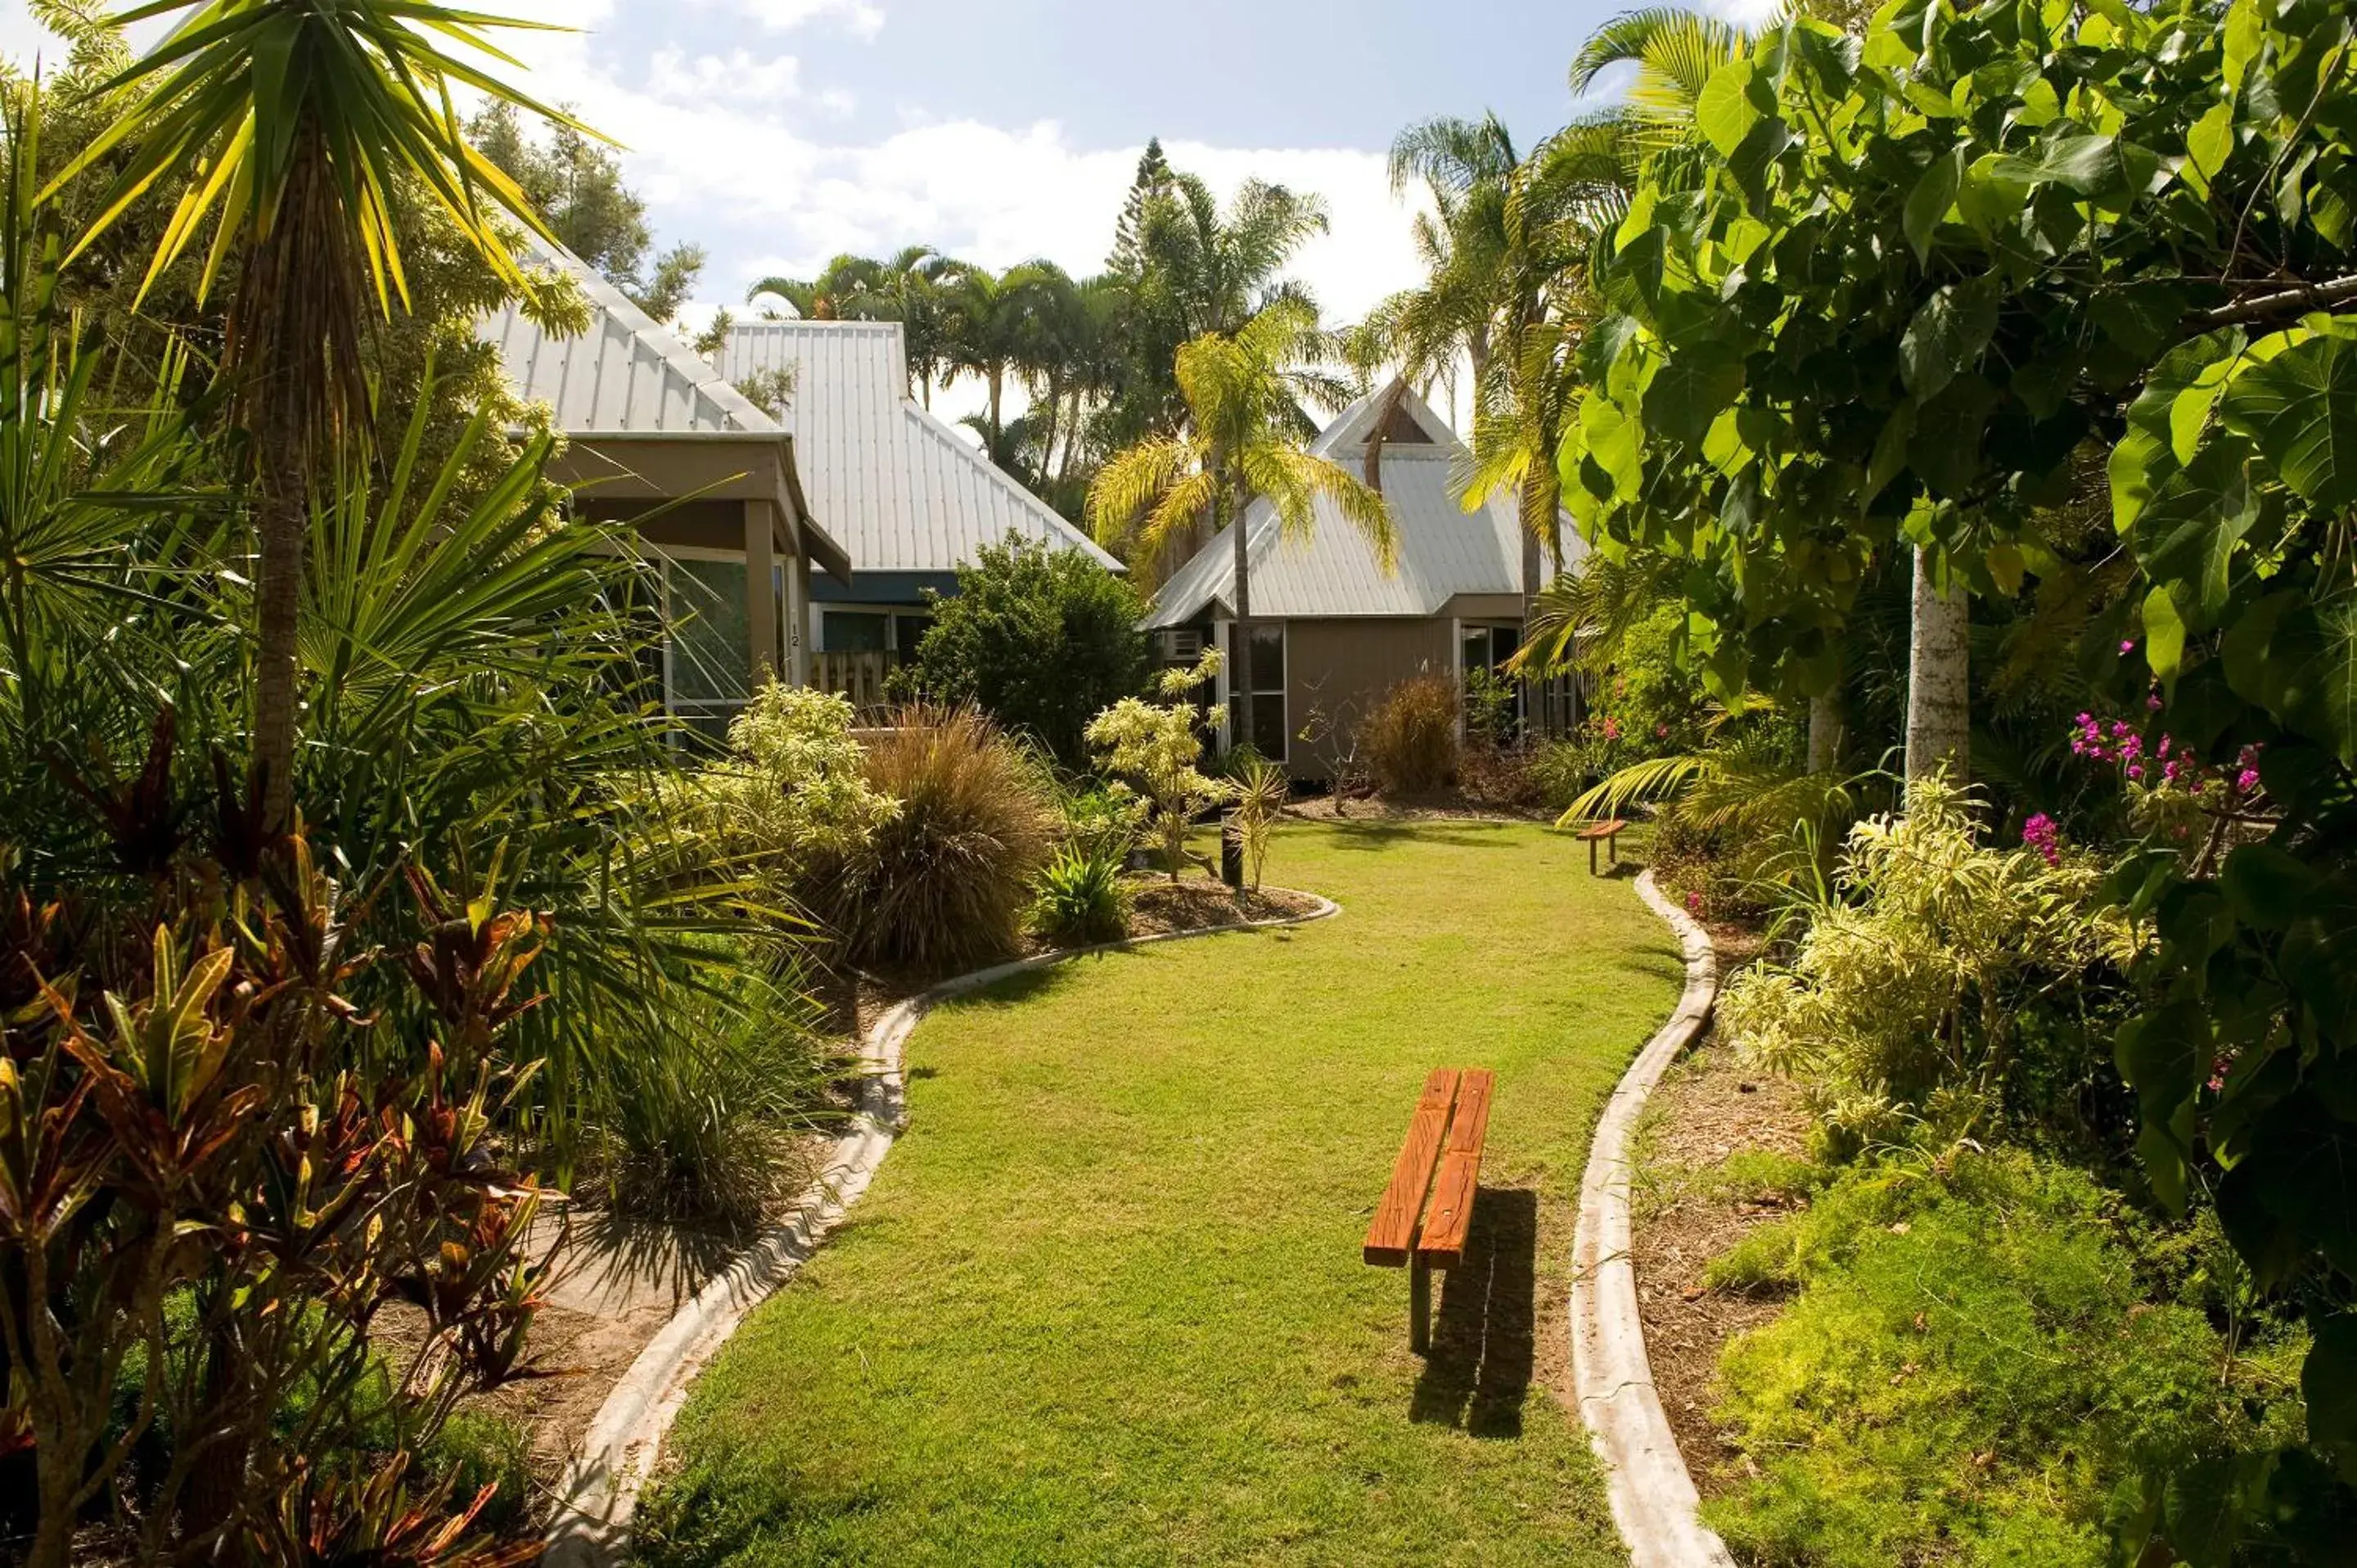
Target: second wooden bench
[{"x": 1427, "y": 1210}]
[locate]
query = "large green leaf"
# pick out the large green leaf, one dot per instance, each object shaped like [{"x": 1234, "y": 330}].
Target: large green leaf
[
  {"x": 1948, "y": 335},
  {"x": 2299, "y": 408},
  {"x": 2188, "y": 534},
  {"x": 1928, "y": 203},
  {"x": 1724, "y": 112},
  {"x": 1688, "y": 393},
  {"x": 1611, "y": 441}
]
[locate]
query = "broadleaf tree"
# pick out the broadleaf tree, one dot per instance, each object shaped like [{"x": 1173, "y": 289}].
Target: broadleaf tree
[{"x": 1908, "y": 286}]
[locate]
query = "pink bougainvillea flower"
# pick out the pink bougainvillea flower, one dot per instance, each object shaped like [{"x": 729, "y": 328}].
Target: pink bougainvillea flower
[{"x": 2042, "y": 833}]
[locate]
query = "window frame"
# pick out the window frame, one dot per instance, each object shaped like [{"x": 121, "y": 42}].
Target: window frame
[
  {"x": 683, "y": 713},
  {"x": 1242, "y": 688}
]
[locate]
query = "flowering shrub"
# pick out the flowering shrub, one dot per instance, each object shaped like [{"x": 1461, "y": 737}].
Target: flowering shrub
[
  {"x": 1151, "y": 750},
  {"x": 2172, "y": 794},
  {"x": 1909, "y": 1000}
]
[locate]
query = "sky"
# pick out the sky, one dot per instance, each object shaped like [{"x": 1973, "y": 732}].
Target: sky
[{"x": 779, "y": 133}]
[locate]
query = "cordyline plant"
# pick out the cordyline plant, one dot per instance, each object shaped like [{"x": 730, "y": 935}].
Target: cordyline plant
[{"x": 205, "y": 1197}]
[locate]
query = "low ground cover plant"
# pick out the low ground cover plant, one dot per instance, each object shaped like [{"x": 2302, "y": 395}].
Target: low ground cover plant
[
  {"x": 1083, "y": 897},
  {"x": 1993, "y": 1354}
]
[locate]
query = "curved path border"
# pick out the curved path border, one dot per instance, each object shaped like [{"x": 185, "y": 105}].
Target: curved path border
[
  {"x": 601, "y": 1489},
  {"x": 1653, "y": 1499}
]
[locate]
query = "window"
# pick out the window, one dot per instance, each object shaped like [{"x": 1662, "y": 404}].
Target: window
[
  {"x": 909, "y": 631},
  {"x": 1489, "y": 647},
  {"x": 856, "y": 631},
  {"x": 1259, "y": 680},
  {"x": 708, "y": 667}
]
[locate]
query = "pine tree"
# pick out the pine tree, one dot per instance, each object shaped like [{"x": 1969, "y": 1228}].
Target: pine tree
[{"x": 1154, "y": 179}]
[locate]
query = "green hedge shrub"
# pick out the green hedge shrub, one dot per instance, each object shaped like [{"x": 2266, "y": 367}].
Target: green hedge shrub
[{"x": 1040, "y": 640}]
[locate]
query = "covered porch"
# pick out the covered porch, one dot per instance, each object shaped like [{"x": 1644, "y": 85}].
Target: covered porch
[{"x": 722, "y": 515}]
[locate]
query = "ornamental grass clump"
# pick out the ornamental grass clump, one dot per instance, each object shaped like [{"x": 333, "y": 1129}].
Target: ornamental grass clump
[
  {"x": 1411, "y": 741},
  {"x": 943, "y": 881}
]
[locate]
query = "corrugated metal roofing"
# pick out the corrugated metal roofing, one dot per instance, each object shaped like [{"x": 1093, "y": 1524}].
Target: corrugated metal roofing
[
  {"x": 901, "y": 488},
  {"x": 1444, "y": 550},
  {"x": 626, "y": 376}
]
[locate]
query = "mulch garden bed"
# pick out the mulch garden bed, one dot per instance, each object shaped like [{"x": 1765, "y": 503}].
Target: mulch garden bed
[
  {"x": 1164, "y": 909},
  {"x": 1710, "y": 1106}
]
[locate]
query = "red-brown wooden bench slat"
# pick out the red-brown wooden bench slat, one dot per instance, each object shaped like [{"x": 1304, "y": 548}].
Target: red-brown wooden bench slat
[
  {"x": 1442, "y": 1245},
  {"x": 1390, "y": 1239},
  {"x": 1608, "y": 833}
]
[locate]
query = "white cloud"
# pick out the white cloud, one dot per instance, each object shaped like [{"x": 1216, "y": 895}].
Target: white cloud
[
  {"x": 739, "y": 76},
  {"x": 862, "y": 18}
]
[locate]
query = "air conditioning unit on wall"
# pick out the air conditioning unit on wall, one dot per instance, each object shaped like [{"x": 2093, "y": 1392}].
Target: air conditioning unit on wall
[{"x": 1182, "y": 645}]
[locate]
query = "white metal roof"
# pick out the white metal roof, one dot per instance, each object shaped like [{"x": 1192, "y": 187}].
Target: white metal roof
[
  {"x": 902, "y": 490},
  {"x": 626, "y": 376},
  {"x": 1444, "y": 550}
]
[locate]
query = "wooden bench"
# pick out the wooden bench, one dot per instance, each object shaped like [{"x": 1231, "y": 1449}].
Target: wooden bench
[
  {"x": 1607, "y": 834},
  {"x": 1426, "y": 1211}
]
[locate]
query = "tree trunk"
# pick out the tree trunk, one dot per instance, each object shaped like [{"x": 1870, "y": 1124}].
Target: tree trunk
[
  {"x": 1939, "y": 698},
  {"x": 284, "y": 518},
  {"x": 1239, "y": 680},
  {"x": 997, "y": 386},
  {"x": 1824, "y": 734},
  {"x": 1072, "y": 436}
]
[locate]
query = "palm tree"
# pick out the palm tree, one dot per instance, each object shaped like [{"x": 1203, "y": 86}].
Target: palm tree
[
  {"x": 904, "y": 288},
  {"x": 1245, "y": 439},
  {"x": 1466, "y": 168},
  {"x": 988, "y": 326},
  {"x": 844, "y": 290},
  {"x": 301, "y": 128}
]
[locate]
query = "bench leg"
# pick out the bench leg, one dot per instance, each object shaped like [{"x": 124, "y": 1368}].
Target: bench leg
[
  {"x": 1591, "y": 857},
  {"x": 1420, "y": 1307}
]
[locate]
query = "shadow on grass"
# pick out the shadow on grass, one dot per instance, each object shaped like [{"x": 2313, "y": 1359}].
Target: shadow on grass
[
  {"x": 1654, "y": 965},
  {"x": 1384, "y": 833},
  {"x": 1483, "y": 1342}
]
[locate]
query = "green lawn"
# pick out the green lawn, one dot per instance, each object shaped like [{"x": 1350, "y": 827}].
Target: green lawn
[{"x": 1103, "y": 1304}]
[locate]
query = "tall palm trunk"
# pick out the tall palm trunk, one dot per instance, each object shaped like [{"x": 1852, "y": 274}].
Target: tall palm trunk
[
  {"x": 1939, "y": 697},
  {"x": 997, "y": 388},
  {"x": 293, "y": 348},
  {"x": 1240, "y": 682},
  {"x": 1055, "y": 400}
]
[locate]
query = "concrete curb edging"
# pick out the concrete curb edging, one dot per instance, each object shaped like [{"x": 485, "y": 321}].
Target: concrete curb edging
[
  {"x": 599, "y": 1490},
  {"x": 1653, "y": 1499}
]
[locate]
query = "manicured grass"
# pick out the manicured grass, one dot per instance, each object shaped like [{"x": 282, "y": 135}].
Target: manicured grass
[{"x": 1103, "y": 1304}]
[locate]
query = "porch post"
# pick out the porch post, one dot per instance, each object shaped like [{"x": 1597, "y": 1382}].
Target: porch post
[
  {"x": 760, "y": 588},
  {"x": 797, "y": 619},
  {"x": 1456, "y": 670},
  {"x": 1223, "y": 633}
]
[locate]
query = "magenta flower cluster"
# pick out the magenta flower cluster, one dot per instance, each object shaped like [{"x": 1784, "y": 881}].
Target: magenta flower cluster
[
  {"x": 2121, "y": 744},
  {"x": 2042, "y": 833}
]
